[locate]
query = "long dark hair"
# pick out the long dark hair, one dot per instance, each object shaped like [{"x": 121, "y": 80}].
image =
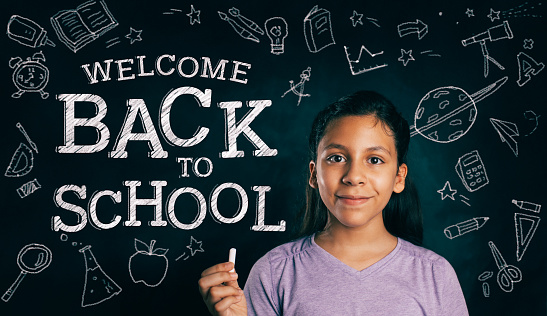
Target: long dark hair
[{"x": 402, "y": 214}]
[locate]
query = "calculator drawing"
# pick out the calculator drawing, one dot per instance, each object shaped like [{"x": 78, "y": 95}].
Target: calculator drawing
[{"x": 471, "y": 171}]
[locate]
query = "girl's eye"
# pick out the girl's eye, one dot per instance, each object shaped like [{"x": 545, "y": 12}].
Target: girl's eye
[
  {"x": 375, "y": 160},
  {"x": 336, "y": 158}
]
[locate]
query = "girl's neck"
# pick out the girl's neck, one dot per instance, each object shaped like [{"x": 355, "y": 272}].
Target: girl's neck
[{"x": 358, "y": 248}]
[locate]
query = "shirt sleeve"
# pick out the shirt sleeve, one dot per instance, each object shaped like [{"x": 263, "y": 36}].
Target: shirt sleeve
[
  {"x": 259, "y": 290},
  {"x": 451, "y": 296}
]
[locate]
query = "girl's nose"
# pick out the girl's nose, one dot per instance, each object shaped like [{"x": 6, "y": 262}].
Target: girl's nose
[{"x": 355, "y": 175}]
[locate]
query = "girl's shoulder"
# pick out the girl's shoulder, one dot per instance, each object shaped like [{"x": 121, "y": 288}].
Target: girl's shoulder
[
  {"x": 289, "y": 250},
  {"x": 424, "y": 255}
]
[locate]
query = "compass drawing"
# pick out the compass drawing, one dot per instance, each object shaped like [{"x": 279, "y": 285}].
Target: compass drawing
[
  {"x": 354, "y": 64},
  {"x": 29, "y": 75},
  {"x": 298, "y": 89}
]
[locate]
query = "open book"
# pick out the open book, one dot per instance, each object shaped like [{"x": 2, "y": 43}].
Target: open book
[{"x": 77, "y": 28}]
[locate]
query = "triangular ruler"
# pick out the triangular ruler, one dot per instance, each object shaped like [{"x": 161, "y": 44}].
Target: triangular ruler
[
  {"x": 21, "y": 162},
  {"x": 525, "y": 227}
]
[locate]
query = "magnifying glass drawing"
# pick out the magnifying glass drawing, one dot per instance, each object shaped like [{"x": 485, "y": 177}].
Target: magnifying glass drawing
[{"x": 32, "y": 258}]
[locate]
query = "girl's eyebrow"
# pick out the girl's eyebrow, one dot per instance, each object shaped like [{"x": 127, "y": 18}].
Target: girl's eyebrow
[{"x": 369, "y": 149}]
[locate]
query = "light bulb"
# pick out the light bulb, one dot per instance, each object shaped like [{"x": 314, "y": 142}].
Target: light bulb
[{"x": 277, "y": 30}]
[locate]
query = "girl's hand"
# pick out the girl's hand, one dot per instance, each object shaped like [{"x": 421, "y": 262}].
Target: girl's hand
[{"x": 221, "y": 292}]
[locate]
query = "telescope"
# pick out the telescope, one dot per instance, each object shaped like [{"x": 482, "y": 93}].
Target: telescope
[{"x": 498, "y": 32}]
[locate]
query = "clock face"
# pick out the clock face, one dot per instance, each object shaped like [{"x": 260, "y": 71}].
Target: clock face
[{"x": 31, "y": 76}]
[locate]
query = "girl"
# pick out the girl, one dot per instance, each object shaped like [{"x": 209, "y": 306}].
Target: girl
[{"x": 358, "y": 251}]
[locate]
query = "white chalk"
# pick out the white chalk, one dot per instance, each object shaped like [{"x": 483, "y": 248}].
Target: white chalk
[{"x": 232, "y": 258}]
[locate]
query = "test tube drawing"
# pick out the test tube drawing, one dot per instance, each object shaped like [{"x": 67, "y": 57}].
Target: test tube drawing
[
  {"x": 27, "y": 32},
  {"x": 529, "y": 206},
  {"x": 465, "y": 227},
  {"x": 98, "y": 287}
]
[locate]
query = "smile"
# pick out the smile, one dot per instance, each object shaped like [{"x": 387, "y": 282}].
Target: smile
[{"x": 352, "y": 199}]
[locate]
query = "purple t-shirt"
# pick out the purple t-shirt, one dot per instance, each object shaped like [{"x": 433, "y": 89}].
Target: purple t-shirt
[{"x": 301, "y": 278}]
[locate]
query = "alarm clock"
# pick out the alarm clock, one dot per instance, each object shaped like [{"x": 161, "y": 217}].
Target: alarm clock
[{"x": 29, "y": 75}]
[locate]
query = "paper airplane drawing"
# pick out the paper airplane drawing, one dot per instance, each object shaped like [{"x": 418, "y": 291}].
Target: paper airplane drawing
[
  {"x": 506, "y": 131},
  {"x": 525, "y": 227}
]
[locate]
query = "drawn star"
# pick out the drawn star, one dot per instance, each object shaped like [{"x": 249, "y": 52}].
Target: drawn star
[
  {"x": 528, "y": 43},
  {"x": 134, "y": 35},
  {"x": 447, "y": 191},
  {"x": 195, "y": 246},
  {"x": 469, "y": 12},
  {"x": 356, "y": 18},
  {"x": 194, "y": 15},
  {"x": 493, "y": 15},
  {"x": 405, "y": 56}
]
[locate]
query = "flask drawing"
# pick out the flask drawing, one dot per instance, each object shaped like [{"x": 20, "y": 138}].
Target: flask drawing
[{"x": 98, "y": 286}]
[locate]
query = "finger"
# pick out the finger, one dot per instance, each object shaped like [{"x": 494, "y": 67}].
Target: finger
[
  {"x": 218, "y": 293},
  {"x": 224, "y": 304},
  {"x": 216, "y": 279},
  {"x": 221, "y": 267}
]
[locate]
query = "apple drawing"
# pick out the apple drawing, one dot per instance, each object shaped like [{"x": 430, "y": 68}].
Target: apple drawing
[{"x": 148, "y": 265}]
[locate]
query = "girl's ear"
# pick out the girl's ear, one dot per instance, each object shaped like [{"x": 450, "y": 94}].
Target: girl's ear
[
  {"x": 313, "y": 175},
  {"x": 400, "y": 179}
]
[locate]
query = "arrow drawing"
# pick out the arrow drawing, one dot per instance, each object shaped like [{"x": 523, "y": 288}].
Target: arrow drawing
[
  {"x": 506, "y": 131},
  {"x": 417, "y": 27}
]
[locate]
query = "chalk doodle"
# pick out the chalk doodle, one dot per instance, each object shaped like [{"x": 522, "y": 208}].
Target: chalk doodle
[
  {"x": 98, "y": 287},
  {"x": 524, "y": 10},
  {"x": 418, "y": 27},
  {"x": 447, "y": 191},
  {"x": 529, "y": 206},
  {"x": 430, "y": 53},
  {"x": 38, "y": 257},
  {"x": 469, "y": 13},
  {"x": 194, "y": 15},
  {"x": 134, "y": 35},
  {"x": 22, "y": 162},
  {"x": 373, "y": 21},
  {"x": 471, "y": 171},
  {"x": 486, "y": 275},
  {"x": 194, "y": 246},
  {"x": 30, "y": 75},
  {"x": 298, "y": 89},
  {"x": 465, "y": 227},
  {"x": 28, "y": 188},
  {"x": 78, "y": 27},
  {"x": 485, "y": 289},
  {"x": 318, "y": 29},
  {"x": 356, "y": 18},
  {"x": 250, "y": 24},
  {"x": 495, "y": 33},
  {"x": 30, "y": 142},
  {"x": 447, "y": 113},
  {"x": 528, "y": 43},
  {"x": 148, "y": 265},
  {"x": 27, "y": 32},
  {"x": 406, "y": 56},
  {"x": 507, "y": 274},
  {"x": 527, "y": 67},
  {"x": 277, "y": 30},
  {"x": 493, "y": 15},
  {"x": 532, "y": 116},
  {"x": 525, "y": 228},
  {"x": 240, "y": 30},
  {"x": 464, "y": 200},
  {"x": 113, "y": 41},
  {"x": 507, "y": 131},
  {"x": 354, "y": 63}
]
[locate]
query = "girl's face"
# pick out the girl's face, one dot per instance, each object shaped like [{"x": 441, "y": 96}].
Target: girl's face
[{"x": 356, "y": 171}]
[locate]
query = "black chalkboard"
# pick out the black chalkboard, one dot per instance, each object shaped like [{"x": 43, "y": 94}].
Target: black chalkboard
[{"x": 144, "y": 139}]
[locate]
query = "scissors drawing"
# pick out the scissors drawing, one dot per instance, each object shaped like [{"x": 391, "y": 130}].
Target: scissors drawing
[{"x": 508, "y": 274}]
